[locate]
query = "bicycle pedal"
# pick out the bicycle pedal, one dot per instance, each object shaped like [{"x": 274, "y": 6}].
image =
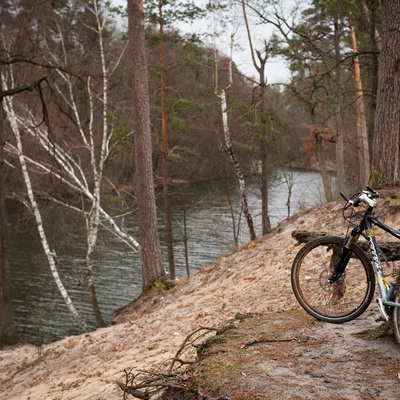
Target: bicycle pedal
[{"x": 381, "y": 319}]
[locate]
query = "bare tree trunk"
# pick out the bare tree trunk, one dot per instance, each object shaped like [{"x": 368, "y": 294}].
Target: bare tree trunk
[
  {"x": 92, "y": 291},
  {"x": 385, "y": 162},
  {"x": 263, "y": 178},
  {"x": 92, "y": 220},
  {"x": 264, "y": 173},
  {"x": 370, "y": 11},
  {"x": 288, "y": 176},
  {"x": 8, "y": 330},
  {"x": 238, "y": 169},
  {"x": 152, "y": 267},
  {"x": 362, "y": 134},
  {"x": 338, "y": 114},
  {"x": 185, "y": 241},
  {"x": 165, "y": 149},
  {"x": 92, "y": 230},
  {"x": 228, "y": 143},
  {"x": 369, "y": 15},
  {"x": 321, "y": 157},
  {"x": 51, "y": 257}
]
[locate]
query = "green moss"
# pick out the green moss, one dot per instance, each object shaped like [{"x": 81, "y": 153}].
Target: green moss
[
  {"x": 394, "y": 202},
  {"x": 383, "y": 330},
  {"x": 158, "y": 286}
]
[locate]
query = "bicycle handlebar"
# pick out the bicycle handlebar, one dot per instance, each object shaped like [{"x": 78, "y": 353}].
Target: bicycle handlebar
[{"x": 366, "y": 196}]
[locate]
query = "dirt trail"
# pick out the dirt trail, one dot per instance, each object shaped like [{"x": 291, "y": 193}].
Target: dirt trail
[{"x": 291, "y": 356}]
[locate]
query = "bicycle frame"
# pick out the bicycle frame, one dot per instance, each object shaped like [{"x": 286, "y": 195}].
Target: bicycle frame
[{"x": 365, "y": 229}]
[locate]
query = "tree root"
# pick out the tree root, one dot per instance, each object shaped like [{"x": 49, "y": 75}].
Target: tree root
[
  {"x": 383, "y": 330},
  {"x": 298, "y": 339},
  {"x": 145, "y": 385}
]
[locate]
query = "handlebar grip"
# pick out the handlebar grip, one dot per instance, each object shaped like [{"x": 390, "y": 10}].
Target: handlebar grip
[{"x": 345, "y": 197}]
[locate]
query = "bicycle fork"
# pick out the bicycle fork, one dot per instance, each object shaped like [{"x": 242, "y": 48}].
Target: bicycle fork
[
  {"x": 340, "y": 269},
  {"x": 341, "y": 265}
]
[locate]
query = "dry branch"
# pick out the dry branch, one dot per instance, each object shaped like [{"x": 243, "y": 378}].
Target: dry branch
[
  {"x": 145, "y": 385},
  {"x": 262, "y": 339}
]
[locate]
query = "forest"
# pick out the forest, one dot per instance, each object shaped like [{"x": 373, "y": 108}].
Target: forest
[{"x": 106, "y": 107}]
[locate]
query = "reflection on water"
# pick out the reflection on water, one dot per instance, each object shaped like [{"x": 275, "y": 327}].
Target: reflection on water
[{"x": 40, "y": 313}]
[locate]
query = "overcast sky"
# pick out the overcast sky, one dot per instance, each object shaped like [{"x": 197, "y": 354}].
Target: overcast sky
[{"x": 276, "y": 69}]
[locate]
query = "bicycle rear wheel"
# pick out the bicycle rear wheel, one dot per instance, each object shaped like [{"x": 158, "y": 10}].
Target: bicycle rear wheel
[
  {"x": 396, "y": 316},
  {"x": 341, "y": 301}
]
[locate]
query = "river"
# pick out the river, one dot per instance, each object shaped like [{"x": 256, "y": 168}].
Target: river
[{"x": 42, "y": 317}]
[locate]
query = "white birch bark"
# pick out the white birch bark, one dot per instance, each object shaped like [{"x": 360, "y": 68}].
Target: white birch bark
[
  {"x": 96, "y": 140},
  {"x": 73, "y": 176},
  {"x": 228, "y": 144},
  {"x": 35, "y": 208},
  {"x": 238, "y": 169}
]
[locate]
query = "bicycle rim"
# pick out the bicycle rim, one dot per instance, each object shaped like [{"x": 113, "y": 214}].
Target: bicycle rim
[
  {"x": 339, "y": 302},
  {"x": 396, "y": 316}
]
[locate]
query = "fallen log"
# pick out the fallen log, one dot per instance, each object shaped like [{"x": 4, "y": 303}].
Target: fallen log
[
  {"x": 306, "y": 236},
  {"x": 390, "y": 249}
]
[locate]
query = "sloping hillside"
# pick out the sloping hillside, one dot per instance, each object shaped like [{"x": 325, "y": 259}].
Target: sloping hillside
[{"x": 254, "y": 279}]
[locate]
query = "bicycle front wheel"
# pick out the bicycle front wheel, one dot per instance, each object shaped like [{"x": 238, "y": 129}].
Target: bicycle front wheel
[{"x": 341, "y": 301}]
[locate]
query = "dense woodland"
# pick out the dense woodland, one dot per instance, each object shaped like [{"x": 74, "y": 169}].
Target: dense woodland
[
  {"x": 69, "y": 118},
  {"x": 58, "y": 50}
]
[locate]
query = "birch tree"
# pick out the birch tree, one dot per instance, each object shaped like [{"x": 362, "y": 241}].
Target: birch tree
[
  {"x": 92, "y": 134},
  {"x": 50, "y": 254},
  {"x": 222, "y": 95},
  {"x": 8, "y": 330},
  {"x": 95, "y": 137},
  {"x": 70, "y": 174}
]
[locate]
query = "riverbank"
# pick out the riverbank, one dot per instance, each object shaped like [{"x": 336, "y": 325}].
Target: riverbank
[
  {"x": 253, "y": 279},
  {"x": 203, "y": 217}
]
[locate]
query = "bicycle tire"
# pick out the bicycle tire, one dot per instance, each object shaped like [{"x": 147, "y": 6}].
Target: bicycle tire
[
  {"x": 336, "y": 303},
  {"x": 396, "y": 315}
]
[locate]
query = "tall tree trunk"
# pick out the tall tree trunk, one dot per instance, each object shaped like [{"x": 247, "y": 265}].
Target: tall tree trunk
[
  {"x": 262, "y": 84},
  {"x": 361, "y": 128},
  {"x": 165, "y": 149},
  {"x": 8, "y": 330},
  {"x": 264, "y": 174},
  {"x": 370, "y": 12},
  {"x": 321, "y": 157},
  {"x": 385, "y": 164},
  {"x": 338, "y": 114},
  {"x": 152, "y": 268}
]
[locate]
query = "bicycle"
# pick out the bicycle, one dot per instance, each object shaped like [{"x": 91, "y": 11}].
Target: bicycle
[{"x": 333, "y": 278}]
